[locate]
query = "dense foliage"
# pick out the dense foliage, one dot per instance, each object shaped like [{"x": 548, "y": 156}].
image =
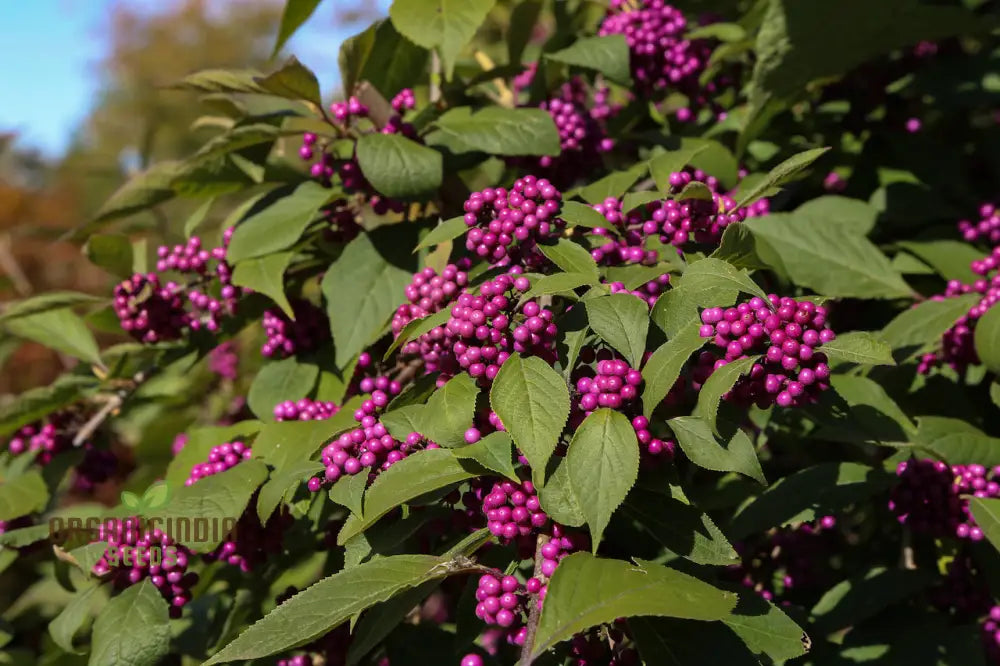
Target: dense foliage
[{"x": 670, "y": 339}]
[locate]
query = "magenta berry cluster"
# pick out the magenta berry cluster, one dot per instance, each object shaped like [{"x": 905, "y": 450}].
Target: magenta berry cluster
[
  {"x": 287, "y": 337},
  {"x": 501, "y": 602},
  {"x": 505, "y": 225},
  {"x": 47, "y": 439},
  {"x": 428, "y": 293},
  {"x": 987, "y": 228},
  {"x": 647, "y": 293},
  {"x": 784, "y": 333},
  {"x": 660, "y": 56},
  {"x": 305, "y": 409},
  {"x": 834, "y": 182},
  {"x": 583, "y": 138},
  {"x": 626, "y": 247},
  {"x": 168, "y": 573},
  {"x": 654, "y": 446},
  {"x": 931, "y": 497},
  {"x": 220, "y": 458},
  {"x": 615, "y": 385},
  {"x": 152, "y": 310},
  {"x": 990, "y": 634},
  {"x": 488, "y": 327},
  {"x": 224, "y": 361},
  {"x": 512, "y": 510},
  {"x": 785, "y": 559}
]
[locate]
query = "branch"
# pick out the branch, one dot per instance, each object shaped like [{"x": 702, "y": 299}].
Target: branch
[
  {"x": 535, "y": 611},
  {"x": 111, "y": 406}
]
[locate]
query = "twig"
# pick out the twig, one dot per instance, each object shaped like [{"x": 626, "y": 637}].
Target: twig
[
  {"x": 535, "y": 612},
  {"x": 112, "y": 405},
  {"x": 435, "y": 87},
  {"x": 906, "y": 558},
  {"x": 8, "y": 262}
]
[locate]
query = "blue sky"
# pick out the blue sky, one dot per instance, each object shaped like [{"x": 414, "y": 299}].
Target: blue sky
[{"x": 50, "y": 49}]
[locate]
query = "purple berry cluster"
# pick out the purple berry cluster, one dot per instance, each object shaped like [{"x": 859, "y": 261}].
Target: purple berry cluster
[
  {"x": 305, "y": 409},
  {"x": 220, "y": 458},
  {"x": 931, "y": 497},
  {"x": 784, "y": 333},
  {"x": 489, "y": 327},
  {"x": 660, "y": 57},
  {"x": 343, "y": 222},
  {"x": 963, "y": 591},
  {"x": 351, "y": 115},
  {"x": 786, "y": 559},
  {"x": 986, "y": 229},
  {"x": 990, "y": 634},
  {"x": 505, "y": 225},
  {"x": 224, "y": 361},
  {"x": 48, "y": 439},
  {"x": 647, "y": 293},
  {"x": 151, "y": 310},
  {"x": 501, "y": 601},
  {"x": 512, "y": 510},
  {"x": 627, "y": 247},
  {"x": 583, "y": 138},
  {"x": 834, "y": 182},
  {"x": 128, "y": 542},
  {"x": 428, "y": 293},
  {"x": 615, "y": 385},
  {"x": 287, "y": 337},
  {"x": 958, "y": 347}
]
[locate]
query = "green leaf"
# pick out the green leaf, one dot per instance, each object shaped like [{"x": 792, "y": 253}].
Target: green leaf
[
  {"x": 444, "y": 232},
  {"x": 36, "y": 403},
  {"x": 608, "y": 55},
  {"x": 849, "y": 215},
  {"x": 664, "y": 366},
  {"x": 112, "y": 252},
  {"x": 494, "y": 452},
  {"x": 635, "y": 275},
  {"x": 292, "y": 80},
  {"x": 717, "y": 385},
  {"x": 681, "y": 528},
  {"x": 200, "y": 443},
  {"x": 131, "y": 500},
  {"x": 133, "y": 629},
  {"x": 418, "y": 327},
  {"x": 781, "y": 174},
  {"x": 52, "y": 300},
  {"x": 447, "y": 25},
  {"x": 850, "y": 602},
  {"x": 399, "y": 167},
  {"x": 738, "y": 247},
  {"x": 411, "y": 477},
  {"x": 926, "y": 322},
  {"x": 571, "y": 257},
  {"x": 766, "y": 630},
  {"x": 23, "y": 495},
  {"x": 283, "y": 483},
  {"x": 826, "y": 259},
  {"x": 278, "y": 225},
  {"x": 694, "y": 190},
  {"x": 377, "y": 267},
  {"x": 382, "y": 619},
  {"x": 558, "y": 499},
  {"x": 450, "y": 410},
  {"x": 671, "y": 642},
  {"x": 859, "y": 347},
  {"x": 331, "y": 602},
  {"x": 532, "y": 401},
  {"x": 266, "y": 276},
  {"x": 614, "y": 184},
  {"x": 809, "y": 494},
  {"x": 402, "y": 421},
  {"x": 603, "y": 464},
  {"x": 617, "y": 589},
  {"x": 295, "y": 14},
  {"x": 633, "y": 200},
  {"x": 621, "y": 320},
  {"x": 61, "y": 330},
  {"x": 988, "y": 339},
  {"x": 679, "y": 308},
  {"x": 522, "y": 24},
  {"x": 198, "y": 216},
  {"x": 349, "y": 492},
  {"x": 219, "y": 498},
  {"x": 496, "y": 130},
  {"x": 987, "y": 515},
  {"x": 583, "y": 215},
  {"x": 703, "y": 449},
  {"x": 278, "y": 381},
  {"x": 72, "y": 619},
  {"x": 282, "y": 443},
  {"x": 142, "y": 191},
  {"x": 221, "y": 81},
  {"x": 726, "y": 32},
  {"x": 956, "y": 442},
  {"x": 711, "y": 274},
  {"x": 951, "y": 259},
  {"x": 383, "y": 57},
  {"x": 558, "y": 283}
]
